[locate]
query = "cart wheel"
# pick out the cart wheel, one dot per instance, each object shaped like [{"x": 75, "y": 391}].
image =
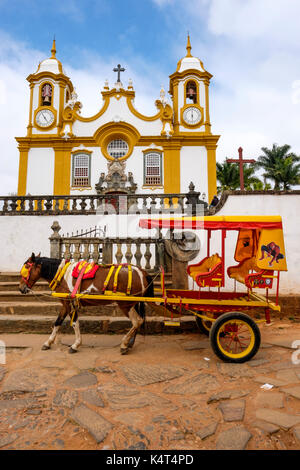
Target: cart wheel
[
  {"x": 203, "y": 325},
  {"x": 235, "y": 337}
]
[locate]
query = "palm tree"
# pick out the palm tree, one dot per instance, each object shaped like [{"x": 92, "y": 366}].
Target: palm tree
[
  {"x": 279, "y": 166},
  {"x": 228, "y": 176}
]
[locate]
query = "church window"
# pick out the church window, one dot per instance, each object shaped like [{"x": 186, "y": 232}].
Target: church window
[
  {"x": 81, "y": 170},
  {"x": 117, "y": 148},
  {"x": 152, "y": 169},
  {"x": 46, "y": 95},
  {"x": 191, "y": 92}
]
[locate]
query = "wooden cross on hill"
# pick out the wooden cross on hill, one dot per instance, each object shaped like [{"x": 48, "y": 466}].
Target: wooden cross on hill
[{"x": 241, "y": 162}]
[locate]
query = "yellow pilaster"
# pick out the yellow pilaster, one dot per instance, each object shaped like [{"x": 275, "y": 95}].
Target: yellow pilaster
[
  {"x": 211, "y": 171},
  {"x": 175, "y": 106},
  {"x": 172, "y": 169},
  {"x": 62, "y": 171},
  {"x": 23, "y": 164},
  {"x": 62, "y": 87},
  {"x": 29, "y": 127},
  {"x": 207, "y": 116}
]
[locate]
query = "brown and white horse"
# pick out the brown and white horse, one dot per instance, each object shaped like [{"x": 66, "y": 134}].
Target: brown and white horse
[{"x": 37, "y": 267}]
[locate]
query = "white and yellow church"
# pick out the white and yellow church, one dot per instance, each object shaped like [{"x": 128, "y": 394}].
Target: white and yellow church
[{"x": 118, "y": 149}]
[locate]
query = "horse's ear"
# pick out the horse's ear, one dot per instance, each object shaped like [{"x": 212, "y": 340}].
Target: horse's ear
[
  {"x": 38, "y": 256},
  {"x": 33, "y": 257}
]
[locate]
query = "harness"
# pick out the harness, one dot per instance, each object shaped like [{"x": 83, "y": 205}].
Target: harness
[{"x": 25, "y": 273}]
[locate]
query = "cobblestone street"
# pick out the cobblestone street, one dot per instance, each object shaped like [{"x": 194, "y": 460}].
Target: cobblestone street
[{"x": 169, "y": 392}]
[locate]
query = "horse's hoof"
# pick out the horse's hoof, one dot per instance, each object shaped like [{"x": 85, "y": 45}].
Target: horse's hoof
[
  {"x": 124, "y": 350},
  {"x": 72, "y": 351},
  {"x": 45, "y": 347}
]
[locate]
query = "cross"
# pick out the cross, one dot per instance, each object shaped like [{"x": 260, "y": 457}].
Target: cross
[
  {"x": 241, "y": 164},
  {"x": 119, "y": 69}
]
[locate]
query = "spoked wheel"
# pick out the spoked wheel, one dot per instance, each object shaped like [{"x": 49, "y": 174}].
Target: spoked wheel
[
  {"x": 235, "y": 337},
  {"x": 204, "y": 325}
]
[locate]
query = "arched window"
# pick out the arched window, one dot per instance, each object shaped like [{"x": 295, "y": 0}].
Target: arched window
[
  {"x": 46, "y": 94},
  {"x": 152, "y": 169},
  {"x": 117, "y": 148},
  {"x": 81, "y": 170},
  {"x": 191, "y": 92}
]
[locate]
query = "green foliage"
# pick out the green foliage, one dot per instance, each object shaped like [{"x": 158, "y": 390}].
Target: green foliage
[{"x": 280, "y": 166}]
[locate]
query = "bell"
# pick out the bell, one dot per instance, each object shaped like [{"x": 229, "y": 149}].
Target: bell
[
  {"x": 191, "y": 93},
  {"x": 47, "y": 99}
]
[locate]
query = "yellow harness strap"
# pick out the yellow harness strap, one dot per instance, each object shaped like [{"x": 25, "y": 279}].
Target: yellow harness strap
[
  {"x": 116, "y": 277},
  {"x": 108, "y": 277},
  {"x": 58, "y": 276},
  {"x": 129, "y": 282}
]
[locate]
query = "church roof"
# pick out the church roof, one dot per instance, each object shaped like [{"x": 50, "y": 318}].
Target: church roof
[
  {"x": 189, "y": 61},
  {"x": 52, "y": 64}
]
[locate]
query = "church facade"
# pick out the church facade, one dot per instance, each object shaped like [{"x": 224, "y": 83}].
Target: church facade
[{"x": 119, "y": 149}]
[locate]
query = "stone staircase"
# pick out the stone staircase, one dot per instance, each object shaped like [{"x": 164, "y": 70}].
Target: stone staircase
[{"x": 36, "y": 312}]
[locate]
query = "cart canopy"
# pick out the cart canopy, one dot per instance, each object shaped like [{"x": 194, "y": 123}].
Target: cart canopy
[{"x": 214, "y": 222}]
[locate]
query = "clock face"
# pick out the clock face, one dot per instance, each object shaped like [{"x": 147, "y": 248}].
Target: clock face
[
  {"x": 44, "y": 117},
  {"x": 192, "y": 115}
]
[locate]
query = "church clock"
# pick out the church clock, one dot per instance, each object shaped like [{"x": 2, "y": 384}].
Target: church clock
[
  {"x": 44, "y": 117},
  {"x": 192, "y": 115}
]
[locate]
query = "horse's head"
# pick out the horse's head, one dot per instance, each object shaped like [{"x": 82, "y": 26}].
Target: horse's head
[{"x": 30, "y": 273}]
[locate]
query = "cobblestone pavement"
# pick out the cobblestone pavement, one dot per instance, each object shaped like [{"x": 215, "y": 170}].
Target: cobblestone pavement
[{"x": 169, "y": 392}]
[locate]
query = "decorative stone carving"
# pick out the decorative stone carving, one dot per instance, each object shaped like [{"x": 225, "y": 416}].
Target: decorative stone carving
[
  {"x": 185, "y": 248},
  {"x": 116, "y": 180}
]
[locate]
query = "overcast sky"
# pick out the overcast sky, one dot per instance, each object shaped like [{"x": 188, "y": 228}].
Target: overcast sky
[{"x": 252, "y": 48}]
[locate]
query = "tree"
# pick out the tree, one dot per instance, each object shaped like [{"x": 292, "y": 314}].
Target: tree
[
  {"x": 228, "y": 176},
  {"x": 279, "y": 165}
]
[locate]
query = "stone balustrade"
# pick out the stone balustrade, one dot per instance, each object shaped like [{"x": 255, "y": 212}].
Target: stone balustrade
[{"x": 184, "y": 203}]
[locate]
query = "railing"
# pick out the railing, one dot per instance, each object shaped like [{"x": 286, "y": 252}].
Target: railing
[
  {"x": 183, "y": 203},
  {"x": 91, "y": 246}
]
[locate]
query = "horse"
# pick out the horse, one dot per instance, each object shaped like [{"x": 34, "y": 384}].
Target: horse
[{"x": 37, "y": 267}]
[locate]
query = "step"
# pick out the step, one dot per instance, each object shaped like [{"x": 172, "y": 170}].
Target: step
[
  {"x": 90, "y": 324},
  {"x": 14, "y": 286},
  {"x": 17, "y": 296},
  {"x": 10, "y": 276}
]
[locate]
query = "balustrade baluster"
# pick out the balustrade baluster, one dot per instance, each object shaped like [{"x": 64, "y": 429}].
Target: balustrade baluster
[
  {"x": 138, "y": 254},
  {"x": 148, "y": 256},
  {"x": 128, "y": 254},
  {"x": 67, "y": 254},
  {"x": 76, "y": 254},
  {"x": 119, "y": 254}
]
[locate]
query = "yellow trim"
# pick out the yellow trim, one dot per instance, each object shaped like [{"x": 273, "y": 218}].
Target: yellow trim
[
  {"x": 171, "y": 163},
  {"x": 108, "y": 277},
  {"x": 29, "y": 127},
  {"x": 23, "y": 167},
  {"x": 62, "y": 172},
  {"x": 243, "y": 353},
  {"x": 207, "y": 117},
  {"x": 112, "y": 131},
  {"x": 44, "y": 108},
  {"x": 211, "y": 172},
  {"x": 142, "y": 116},
  {"x": 228, "y": 218}
]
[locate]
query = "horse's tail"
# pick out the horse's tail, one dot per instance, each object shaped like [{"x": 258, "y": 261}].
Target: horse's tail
[{"x": 140, "y": 307}]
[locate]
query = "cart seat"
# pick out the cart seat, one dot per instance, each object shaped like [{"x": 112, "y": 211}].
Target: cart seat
[
  {"x": 241, "y": 270},
  {"x": 207, "y": 272}
]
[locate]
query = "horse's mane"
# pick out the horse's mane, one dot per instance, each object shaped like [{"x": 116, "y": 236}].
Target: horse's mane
[{"x": 49, "y": 267}]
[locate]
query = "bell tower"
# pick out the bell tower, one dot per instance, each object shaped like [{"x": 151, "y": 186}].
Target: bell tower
[
  {"x": 50, "y": 89},
  {"x": 189, "y": 88}
]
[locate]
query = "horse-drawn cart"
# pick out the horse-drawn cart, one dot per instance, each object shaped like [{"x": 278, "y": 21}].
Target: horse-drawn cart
[{"x": 259, "y": 256}]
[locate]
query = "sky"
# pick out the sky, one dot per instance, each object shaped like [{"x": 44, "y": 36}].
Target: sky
[{"x": 252, "y": 48}]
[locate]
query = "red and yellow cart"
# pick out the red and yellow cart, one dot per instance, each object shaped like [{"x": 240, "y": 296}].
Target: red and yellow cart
[{"x": 220, "y": 313}]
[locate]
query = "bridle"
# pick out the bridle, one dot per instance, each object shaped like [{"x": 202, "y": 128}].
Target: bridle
[{"x": 25, "y": 273}]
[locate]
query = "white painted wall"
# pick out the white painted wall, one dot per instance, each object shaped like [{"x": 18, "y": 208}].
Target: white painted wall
[
  {"x": 40, "y": 173},
  {"x": 193, "y": 167}
]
